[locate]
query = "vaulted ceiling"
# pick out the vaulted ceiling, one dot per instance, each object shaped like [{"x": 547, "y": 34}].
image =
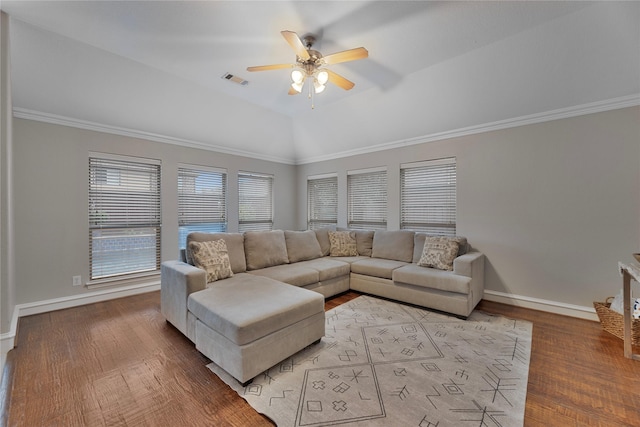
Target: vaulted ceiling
[{"x": 155, "y": 69}]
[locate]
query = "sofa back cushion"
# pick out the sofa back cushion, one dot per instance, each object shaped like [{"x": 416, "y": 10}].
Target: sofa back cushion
[
  {"x": 396, "y": 245},
  {"x": 265, "y": 249},
  {"x": 418, "y": 245},
  {"x": 235, "y": 248},
  {"x": 322, "y": 234},
  {"x": 302, "y": 245}
]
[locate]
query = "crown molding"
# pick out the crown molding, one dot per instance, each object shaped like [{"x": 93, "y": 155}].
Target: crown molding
[
  {"x": 547, "y": 116},
  {"x": 24, "y": 113},
  {"x": 562, "y": 113}
]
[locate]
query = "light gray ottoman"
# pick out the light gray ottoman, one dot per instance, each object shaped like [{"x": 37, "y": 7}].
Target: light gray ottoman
[{"x": 246, "y": 324}]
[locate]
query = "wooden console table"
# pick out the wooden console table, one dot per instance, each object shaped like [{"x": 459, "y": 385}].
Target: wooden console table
[{"x": 628, "y": 272}]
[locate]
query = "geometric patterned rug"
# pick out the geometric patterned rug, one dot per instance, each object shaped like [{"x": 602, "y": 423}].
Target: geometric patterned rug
[{"x": 383, "y": 363}]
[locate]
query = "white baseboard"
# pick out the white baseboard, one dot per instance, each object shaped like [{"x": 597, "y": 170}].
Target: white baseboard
[
  {"x": 579, "y": 311},
  {"x": 7, "y": 340}
]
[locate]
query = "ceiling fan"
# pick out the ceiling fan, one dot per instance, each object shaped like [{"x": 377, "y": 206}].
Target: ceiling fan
[{"x": 310, "y": 64}]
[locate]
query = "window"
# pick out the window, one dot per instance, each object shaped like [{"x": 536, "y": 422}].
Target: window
[
  {"x": 322, "y": 200},
  {"x": 202, "y": 201},
  {"x": 124, "y": 217},
  {"x": 428, "y": 196},
  {"x": 255, "y": 196},
  {"x": 367, "y": 199}
]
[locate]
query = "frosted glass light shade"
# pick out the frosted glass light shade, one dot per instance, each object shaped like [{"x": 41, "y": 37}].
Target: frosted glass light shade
[
  {"x": 297, "y": 76},
  {"x": 322, "y": 77}
]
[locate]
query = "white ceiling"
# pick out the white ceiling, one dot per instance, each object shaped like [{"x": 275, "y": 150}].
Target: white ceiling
[{"x": 155, "y": 67}]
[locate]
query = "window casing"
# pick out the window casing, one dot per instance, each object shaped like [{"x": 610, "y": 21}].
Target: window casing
[
  {"x": 322, "y": 201},
  {"x": 255, "y": 202},
  {"x": 202, "y": 201},
  {"x": 428, "y": 196},
  {"x": 124, "y": 216},
  {"x": 367, "y": 199}
]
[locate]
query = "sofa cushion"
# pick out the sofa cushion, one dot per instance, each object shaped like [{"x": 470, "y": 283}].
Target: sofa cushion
[
  {"x": 212, "y": 257},
  {"x": 322, "y": 234},
  {"x": 447, "y": 281},
  {"x": 343, "y": 243},
  {"x": 396, "y": 245},
  {"x": 438, "y": 252},
  {"x": 302, "y": 245},
  {"x": 364, "y": 240},
  {"x": 235, "y": 247},
  {"x": 265, "y": 249},
  {"x": 268, "y": 306},
  {"x": 377, "y": 267},
  {"x": 328, "y": 268},
  {"x": 418, "y": 245},
  {"x": 293, "y": 274}
]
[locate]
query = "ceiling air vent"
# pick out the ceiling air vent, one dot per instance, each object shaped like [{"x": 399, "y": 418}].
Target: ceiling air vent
[{"x": 235, "y": 79}]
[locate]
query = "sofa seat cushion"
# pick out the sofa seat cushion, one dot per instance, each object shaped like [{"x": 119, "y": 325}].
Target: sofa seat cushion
[
  {"x": 426, "y": 277},
  {"x": 293, "y": 274},
  {"x": 350, "y": 259},
  {"x": 377, "y": 267},
  {"x": 328, "y": 268},
  {"x": 246, "y": 307}
]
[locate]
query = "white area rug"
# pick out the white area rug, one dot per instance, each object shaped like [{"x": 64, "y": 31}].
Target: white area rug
[{"x": 387, "y": 364}]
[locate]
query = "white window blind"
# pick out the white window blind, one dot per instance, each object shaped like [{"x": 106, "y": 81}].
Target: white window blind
[
  {"x": 322, "y": 199},
  {"x": 124, "y": 217},
  {"x": 367, "y": 199},
  {"x": 428, "y": 196},
  {"x": 255, "y": 195},
  {"x": 202, "y": 201}
]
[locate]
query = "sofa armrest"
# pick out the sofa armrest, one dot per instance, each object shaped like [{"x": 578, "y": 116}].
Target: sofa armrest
[
  {"x": 464, "y": 264},
  {"x": 177, "y": 281},
  {"x": 471, "y": 265}
]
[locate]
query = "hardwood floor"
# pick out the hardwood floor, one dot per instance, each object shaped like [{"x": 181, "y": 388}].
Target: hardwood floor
[{"x": 120, "y": 363}]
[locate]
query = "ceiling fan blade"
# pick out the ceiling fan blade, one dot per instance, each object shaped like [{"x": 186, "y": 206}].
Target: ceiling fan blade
[
  {"x": 346, "y": 55},
  {"x": 269, "y": 67},
  {"x": 338, "y": 80},
  {"x": 292, "y": 91},
  {"x": 296, "y": 44}
]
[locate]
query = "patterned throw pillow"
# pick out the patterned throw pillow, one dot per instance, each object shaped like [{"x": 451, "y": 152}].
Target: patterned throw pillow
[
  {"x": 439, "y": 252},
  {"x": 211, "y": 256},
  {"x": 343, "y": 243}
]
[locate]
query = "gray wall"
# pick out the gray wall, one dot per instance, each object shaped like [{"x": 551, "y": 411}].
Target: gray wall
[
  {"x": 51, "y": 221},
  {"x": 554, "y": 206}
]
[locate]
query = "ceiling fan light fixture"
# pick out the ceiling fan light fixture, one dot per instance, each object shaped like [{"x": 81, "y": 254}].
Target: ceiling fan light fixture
[{"x": 319, "y": 87}]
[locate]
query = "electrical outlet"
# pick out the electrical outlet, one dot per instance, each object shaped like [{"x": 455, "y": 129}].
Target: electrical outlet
[{"x": 77, "y": 280}]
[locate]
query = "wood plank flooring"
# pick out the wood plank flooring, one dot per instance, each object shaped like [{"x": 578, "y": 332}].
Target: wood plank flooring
[{"x": 119, "y": 363}]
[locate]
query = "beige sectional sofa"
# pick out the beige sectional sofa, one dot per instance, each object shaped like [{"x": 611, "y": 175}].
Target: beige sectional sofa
[{"x": 261, "y": 310}]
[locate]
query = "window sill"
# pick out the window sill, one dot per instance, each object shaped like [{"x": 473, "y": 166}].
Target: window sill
[{"x": 131, "y": 279}]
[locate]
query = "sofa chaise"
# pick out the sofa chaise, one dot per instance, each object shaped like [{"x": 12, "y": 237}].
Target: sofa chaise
[{"x": 250, "y": 300}]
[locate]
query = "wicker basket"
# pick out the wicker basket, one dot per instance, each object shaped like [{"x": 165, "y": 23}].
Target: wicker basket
[{"x": 613, "y": 322}]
